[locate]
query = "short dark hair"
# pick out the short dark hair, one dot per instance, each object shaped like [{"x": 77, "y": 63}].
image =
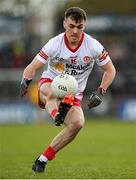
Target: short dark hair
[{"x": 76, "y": 14}]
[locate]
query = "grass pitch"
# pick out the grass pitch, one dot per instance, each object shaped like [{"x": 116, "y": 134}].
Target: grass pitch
[{"x": 102, "y": 150}]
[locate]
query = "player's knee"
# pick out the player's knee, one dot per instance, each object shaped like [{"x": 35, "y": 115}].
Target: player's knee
[
  {"x": 76, "y": 126},
  {"x": 79, "y": 125}
]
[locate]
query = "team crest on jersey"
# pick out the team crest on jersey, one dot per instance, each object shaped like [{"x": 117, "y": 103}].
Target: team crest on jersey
[{"x": 87, "y": 59}]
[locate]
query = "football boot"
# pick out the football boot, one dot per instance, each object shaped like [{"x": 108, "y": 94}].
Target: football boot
[
  {"x": 65, "y": 105},
  {"x": 39, "y": 166}
]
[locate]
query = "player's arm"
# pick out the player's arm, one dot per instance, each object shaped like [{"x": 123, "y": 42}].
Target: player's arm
[
  {"x": 108, "y": 75},
  {"x": 107, "y": 78},
  {"x": 28, "y": 74},
  {"x": 30, "y": 70}
]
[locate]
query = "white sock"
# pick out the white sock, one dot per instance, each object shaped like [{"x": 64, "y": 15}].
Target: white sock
[{"x": 43, "y": 158}]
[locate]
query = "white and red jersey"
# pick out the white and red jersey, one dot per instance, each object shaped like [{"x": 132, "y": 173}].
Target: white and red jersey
[{"x": 77, "y": 62}]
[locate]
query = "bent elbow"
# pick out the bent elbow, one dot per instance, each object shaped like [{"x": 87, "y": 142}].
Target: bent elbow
[{"x": 114, "y": 72}]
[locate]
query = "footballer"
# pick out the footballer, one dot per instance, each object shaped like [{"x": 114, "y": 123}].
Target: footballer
[{"x": 72, "y": 52}]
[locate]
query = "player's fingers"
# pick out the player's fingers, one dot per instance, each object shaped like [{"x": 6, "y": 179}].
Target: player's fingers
[
  {"x": 91, "y": 103},
  {"x": 23, "y": 91}
]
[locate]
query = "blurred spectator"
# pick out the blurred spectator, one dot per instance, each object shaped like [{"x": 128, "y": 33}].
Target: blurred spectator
[{"x": 18, "y": 54}]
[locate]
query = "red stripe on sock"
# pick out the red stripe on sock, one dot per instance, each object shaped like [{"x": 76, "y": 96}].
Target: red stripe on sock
[
  {"x": 53, "y": 113},
  {"x": 49, "y": 153}
]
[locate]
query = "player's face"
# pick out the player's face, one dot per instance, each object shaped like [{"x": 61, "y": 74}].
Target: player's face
[{"x": 74, "y": 29}]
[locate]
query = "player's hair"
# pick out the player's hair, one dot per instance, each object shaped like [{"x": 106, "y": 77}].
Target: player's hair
[{"x": 76, "y": 13}]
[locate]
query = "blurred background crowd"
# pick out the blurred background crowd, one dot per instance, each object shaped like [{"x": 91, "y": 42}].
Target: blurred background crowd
[{"x": 26, "y": 25}]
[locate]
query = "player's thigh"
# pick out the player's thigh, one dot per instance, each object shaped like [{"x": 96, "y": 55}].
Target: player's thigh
[{"x": 75, "y": 117}]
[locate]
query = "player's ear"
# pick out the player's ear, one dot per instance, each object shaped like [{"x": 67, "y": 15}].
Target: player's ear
[
  {"x": 64, "y": 24},
  {"x": 84, "y": 26}
]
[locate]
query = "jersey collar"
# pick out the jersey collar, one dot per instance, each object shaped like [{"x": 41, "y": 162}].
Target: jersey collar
[{"x": 75, "y": 49}]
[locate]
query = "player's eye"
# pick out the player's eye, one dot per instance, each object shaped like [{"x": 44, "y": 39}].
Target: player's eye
[
  {"x": 80, "y": 27},
  {"x": 71, "y": 26}
]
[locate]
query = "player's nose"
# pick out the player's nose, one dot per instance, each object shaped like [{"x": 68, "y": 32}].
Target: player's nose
[{"x": 75, "y": 30}]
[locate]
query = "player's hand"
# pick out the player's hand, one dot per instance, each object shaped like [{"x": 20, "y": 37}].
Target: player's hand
[
  {"x": 95, "y": 98},
  {"x": 24, "y": 86}
]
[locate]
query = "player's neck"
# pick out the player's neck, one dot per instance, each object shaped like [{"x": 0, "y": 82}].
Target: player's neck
[{"x": 72, "y": 44}]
